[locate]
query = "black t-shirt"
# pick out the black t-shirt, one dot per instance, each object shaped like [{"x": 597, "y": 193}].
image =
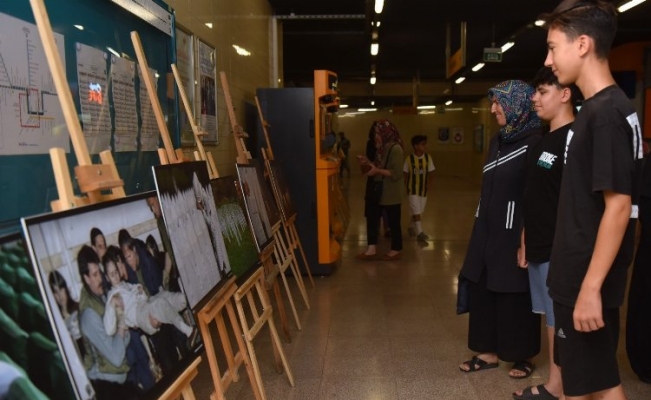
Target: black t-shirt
[
  {"x": 602, "y": 153},
  {"x": 544, "y": 173}
]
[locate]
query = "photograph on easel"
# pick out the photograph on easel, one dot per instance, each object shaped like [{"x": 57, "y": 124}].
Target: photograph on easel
[
  {"x": 260, "y": 205},
  {"x": 30, "y": 360},
  {"x": 132, "y": 316},
  {"x": 196, "y": 234},
  {"x": 231, "y": 212},
  {"x": 282, "y": 190}
]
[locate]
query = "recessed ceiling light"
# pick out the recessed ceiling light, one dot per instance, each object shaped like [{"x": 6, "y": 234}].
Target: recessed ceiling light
[
  {"x": 375, "y": 47},
  {"x": 366, "y": 109},
  {"x": 507, "y": 46},
  {"x": 209, "y": 25},
  {"x": 447, "y": 103},
  {"x": 379, "y": 4},
  {"x": 628, "y": 5},
  {"x": 478, "y": 67},
  {"x": 426, "y": 107},
  {"x": 539, "y": 22},
  {"x": 373, "y": 80},
  {"x": 80, "y": 27},
  {"x": 460, "y": 79}
]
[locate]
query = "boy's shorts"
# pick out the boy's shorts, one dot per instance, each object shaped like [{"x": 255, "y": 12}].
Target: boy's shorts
[
  {"x": 588, "y": 360},
  {"x": 417, "y": 204},
  {"x": 541, "y": 303}
]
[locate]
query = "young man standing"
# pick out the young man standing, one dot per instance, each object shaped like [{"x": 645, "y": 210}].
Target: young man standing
[
  {"x": 553, "y": 103},
  {"x": 419, "y": 171},
  {"x": 593, "y": 242}
]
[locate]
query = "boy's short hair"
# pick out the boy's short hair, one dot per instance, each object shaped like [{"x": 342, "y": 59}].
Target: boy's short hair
[
  {"x": 417, "y": 139},
  {"x": 545, "y": 76},
  {"x": 594, "y": 18}
]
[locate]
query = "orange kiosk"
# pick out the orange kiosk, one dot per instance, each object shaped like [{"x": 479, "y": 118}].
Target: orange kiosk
[{"x": 329, "y": 225}]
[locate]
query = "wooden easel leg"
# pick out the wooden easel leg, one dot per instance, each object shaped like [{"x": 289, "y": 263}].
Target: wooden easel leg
[
  {"x": 228, "y": 350},
  {"x": 255, "y": 383},
  {"x": 281, "y": 311},
  {"x": 291, "y": 302},
  {"x": 300, "y": 247},
  {"x": 182, "y": 386},
  {"x": 212, "y": 361},
  {"x": 296, "y": 271}
]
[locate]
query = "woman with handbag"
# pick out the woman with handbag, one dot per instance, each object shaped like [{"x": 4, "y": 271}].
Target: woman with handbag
[{"x": 384, "y": 190}]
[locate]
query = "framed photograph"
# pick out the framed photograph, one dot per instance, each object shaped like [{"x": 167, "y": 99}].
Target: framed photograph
[
  {"x": 281, "y": 190},
  {"x": 444, "y": 135},
  {"x": 478, "y": 139},
  {"x": 260, "y": 205},
  {"x": 231, "y": 212},
  {"x": 196, "y": 235},
  {"x": 207, "y": 72},
  {"x": 457, "y": 135},
  {"x": 104, "y": 285},
  {"x": 28, "y": 342}
]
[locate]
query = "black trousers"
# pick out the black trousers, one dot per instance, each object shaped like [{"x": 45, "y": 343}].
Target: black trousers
[
  {"x": 105, "y": 390},
  {"x": 502, "y": 323},
  {"x": 373, "y": 214},
  {"x": 638, "y": 320}
]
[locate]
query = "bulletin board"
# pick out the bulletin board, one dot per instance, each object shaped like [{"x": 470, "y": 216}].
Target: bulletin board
[{"x": 26, "y": 178}]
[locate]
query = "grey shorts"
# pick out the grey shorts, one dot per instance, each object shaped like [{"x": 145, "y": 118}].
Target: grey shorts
[{"x": 541, "y": 303}]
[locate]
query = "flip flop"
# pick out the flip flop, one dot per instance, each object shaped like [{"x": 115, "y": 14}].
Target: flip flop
[
  {"x": 477, "y": 364},
  {"x": 527, "y": 394},
  {"x": 523, "y": 366}
]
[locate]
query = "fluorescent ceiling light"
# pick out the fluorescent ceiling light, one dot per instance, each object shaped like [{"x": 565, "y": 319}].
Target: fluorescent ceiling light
[
  {"x": 460, "y": 79},
  {"x": 209, "y": 24},
  {"x": 454, "y": 109},
  {"x": 478, "y": 67},
  {"x": 539, "y": 22},
  {"x": 447, "y": 103},
  {"x": 375, "y": 47},
  {"x": 425, "y": 112},
  {"x": 343, "y": 105},
  {"x": 426, "y": 107},
  {"x": 372, "y": 102},
  {"x": 379, "y": 4},
  {"x": 113, "y": 51},
  {"x": 378, "y": 24},
  {"x": 80, "y": 27},
  {"x": 629, "y": 4},
  {"x": 366, "y": 109},
  {"x": 507, "y": 46},
  {"x": 241, "y": 50},
  {"x": 373, "y": 80}
]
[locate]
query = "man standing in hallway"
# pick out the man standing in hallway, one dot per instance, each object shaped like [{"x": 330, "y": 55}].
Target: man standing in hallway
[
  {"x": 419, "y": 171},
  {"x": 553, "y": 103},
  {"x": 593, "y": 241}
]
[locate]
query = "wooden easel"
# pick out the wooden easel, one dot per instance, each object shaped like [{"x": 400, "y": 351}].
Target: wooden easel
[
  {"x": 93, "y": 179},
  {"x": 289, "y": 225},
  {"x": 168, "y": 155},
  {"x": 256, "y": 281},
  {"x": 243, "y": 157},
  {"x": 201, "y": 154}
]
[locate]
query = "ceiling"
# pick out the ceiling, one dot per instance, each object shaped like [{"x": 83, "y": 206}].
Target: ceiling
[{"x": 411, "y": 63}]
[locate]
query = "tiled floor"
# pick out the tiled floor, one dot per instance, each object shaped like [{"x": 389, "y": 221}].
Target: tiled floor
[{"x": 381, "y": 330}]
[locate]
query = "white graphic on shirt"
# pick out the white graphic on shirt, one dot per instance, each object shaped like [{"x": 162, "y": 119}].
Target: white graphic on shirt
[
  {"x": 634, "y": 122},
  {"x": 570, "y": 133},
  {"x": 546, "y": 160}
]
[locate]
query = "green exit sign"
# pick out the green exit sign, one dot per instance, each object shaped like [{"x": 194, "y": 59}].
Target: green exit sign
[{"x": 492, "y": 54}]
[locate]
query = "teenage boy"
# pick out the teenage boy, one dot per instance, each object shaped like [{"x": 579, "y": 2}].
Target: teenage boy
[
  {"x": 419, "y": 171},
  {"x": 554, "y": 103},
  {"x": 593, "y": 242}
]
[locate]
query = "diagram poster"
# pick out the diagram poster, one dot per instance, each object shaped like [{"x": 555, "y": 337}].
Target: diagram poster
[
  {"x": 208, "y": 83},
  {"x": 123, "y": 90},
  {"x": 148, "y": 126},
  {"x": 92, "y": 76},
  {"x": 31, "y": 118}
]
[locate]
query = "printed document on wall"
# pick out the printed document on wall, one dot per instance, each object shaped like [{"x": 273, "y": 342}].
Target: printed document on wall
[
  {"x": 149, "y": 127},
  {"x": 31, "y": 118},
  {"x": 123, "y": 89}
]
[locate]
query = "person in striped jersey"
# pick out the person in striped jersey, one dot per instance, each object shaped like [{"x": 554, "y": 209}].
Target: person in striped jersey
[{"x": 419, "y": 171}]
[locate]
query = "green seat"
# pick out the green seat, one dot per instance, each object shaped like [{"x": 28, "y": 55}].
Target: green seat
[
  {"x": 41, "y": 355},
  {"x": 33, "y": 316},
  {"x": 62, "y": 383},
  {"x": 8, "y": 274},
  {"x": 22, "y": 389},
  {"x": 27, "y": 283},
  {"x": 13, "y": 340},
  {"x": 8, "y": 300}
]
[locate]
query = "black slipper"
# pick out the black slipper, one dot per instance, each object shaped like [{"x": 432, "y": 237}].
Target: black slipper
[
  {"x": 477, "y": 364},
  {"x": 523, "y": 366},
  {"x": 527, "y": 394}
]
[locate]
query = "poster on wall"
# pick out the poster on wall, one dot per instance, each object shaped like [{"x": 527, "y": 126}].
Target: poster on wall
[
  {"x": 31, "y": 118},
  {"x": 149, "y": 133},
  {"x": 457, "y": 135},
  {"x": 208, "y": 91},
  {"x": 185, "y": 66},
  {"x": 444, "y": 135},
  {"x": 104, "y": 283},
  {"x": 123, "y": 91},
  {"x": 478, "y": 139},
  {"x": 92, "y": 76}
]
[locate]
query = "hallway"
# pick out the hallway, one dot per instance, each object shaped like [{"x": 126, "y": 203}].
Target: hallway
[{"x": 380, "y": 330}]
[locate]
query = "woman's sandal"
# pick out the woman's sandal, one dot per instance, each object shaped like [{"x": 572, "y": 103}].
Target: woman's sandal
[
  {"x": 477, "y": 364},
  {"x": 528, "y": 394},
  {"x": 523, "y": 366}
]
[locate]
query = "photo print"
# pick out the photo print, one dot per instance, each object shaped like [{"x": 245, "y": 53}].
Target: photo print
[
  {"x": 196, "y": 235},
  {"x": 25, "y": 332},
  {"x": 281, "y": 190},
  {"x": 260, "y": 205},
  {"x": 236, "y": 231},
  {"x": 119, "y": 311}
]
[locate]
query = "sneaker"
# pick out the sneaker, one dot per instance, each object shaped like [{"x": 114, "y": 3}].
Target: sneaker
[
  {"x": 422, "y": 237},
  {"x": 411, "y": 231}
]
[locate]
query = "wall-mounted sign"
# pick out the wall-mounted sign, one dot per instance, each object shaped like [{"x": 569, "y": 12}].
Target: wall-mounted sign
[{"x": 492, "y": 54}]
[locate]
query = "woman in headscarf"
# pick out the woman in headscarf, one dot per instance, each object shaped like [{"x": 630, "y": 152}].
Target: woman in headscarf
[
  {"x": 386, "y": 167},
  {"x": 501, "y": 324}
]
